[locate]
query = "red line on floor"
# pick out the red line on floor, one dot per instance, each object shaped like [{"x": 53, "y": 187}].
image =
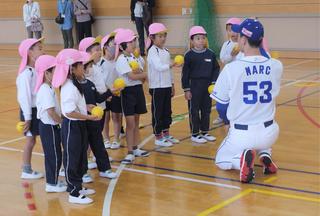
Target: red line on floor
[{"x": 301, "y": 108}]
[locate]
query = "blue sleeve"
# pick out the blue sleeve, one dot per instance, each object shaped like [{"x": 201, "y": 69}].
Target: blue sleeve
[{"x": 222, "y": 111}]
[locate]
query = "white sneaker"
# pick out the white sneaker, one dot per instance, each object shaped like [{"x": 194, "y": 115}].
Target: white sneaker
[
  {"x": 107, "y": 144},
  {"x": 198, "y": 139},
  {"x": 87, "y": 191},
  {"x": 108, "y": 174},
  {"x": 140, "y": 153},
  {"x": 128, "y": 159},
  {"x": 62, "y": 172},
  {"x": 81, "y": 199},
  {"x": 115, "y": 145},
  {"x": 55, "y": 188},
  {"x": 163, "y": 142},
  {"x": 208, "y": 137},
  {"x": 86, "y": 178},
  {"x": 217, "y": 121},
  {"x": 92, "y": 165},
  {"x": 172, "y": 139},
  {"x": 33, "y": 175}
]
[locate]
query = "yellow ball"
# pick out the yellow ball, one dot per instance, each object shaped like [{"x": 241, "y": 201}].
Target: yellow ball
[
  {"x": 20, "y": 126},
  {"x": 119, "y": 83},
  {"x": 134, "y": 65},
  {"x": 275, "y": 54},
  {"x": 236, "y": 48},
  {"x": 136, "y": 53},
  {"x": 179, "y": 60},
  {"x": 210, "y": 88},
  {"x": 117, "y": 93},
  {"x": 97, "y": 111}
]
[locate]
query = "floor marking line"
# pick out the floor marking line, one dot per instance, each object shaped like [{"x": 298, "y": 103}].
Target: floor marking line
[
  {"x": 284, "y": 195},
  {"x": 11, "y": 141},
  {"x": 199, "y": 181},
  {"x": 271, "y": 179},
  {"x": 225, "y": 203},
  {"x": 106, "y": 210}
]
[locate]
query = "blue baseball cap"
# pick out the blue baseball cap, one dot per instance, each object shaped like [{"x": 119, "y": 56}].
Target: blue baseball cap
[{"x": 251, "y": 28}]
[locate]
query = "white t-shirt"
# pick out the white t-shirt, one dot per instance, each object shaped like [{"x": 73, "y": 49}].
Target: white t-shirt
[
  {"x": 26, "y": 82},
  {"x": 99, "y": 80},
  {"x": 159, "y": 73},
  {"x": 110, "y": 73},
  {"x": 138, "y": 10},
  {"x": 250, "y": 87},
  {"x": 123, "y": 68},
  {"x": 30, "y": 11},
  {"x": 226, "y": 50},
  {"x": 46, "y": 99},
  {"x": 72, "y": 100}
]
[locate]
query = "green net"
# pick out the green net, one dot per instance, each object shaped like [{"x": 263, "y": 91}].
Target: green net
[{"x": 204, "y": 14}]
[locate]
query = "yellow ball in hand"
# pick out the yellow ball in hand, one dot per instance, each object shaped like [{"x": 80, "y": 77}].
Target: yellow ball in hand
[
  {"x": 236, "y": 48},
  {"x": 179, "y": 60},
  {"x": 134, "y": 65},
  {"x": 210, "y": 88},
  {"x": 119, "y": 83},
  {"x": 20, "y": 126},
  {"x": 136, "y": 53},
  {"x": 97, "y": 111}
]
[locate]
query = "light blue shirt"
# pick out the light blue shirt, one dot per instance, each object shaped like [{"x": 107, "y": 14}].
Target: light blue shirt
[{"x": 66, "y": 6}]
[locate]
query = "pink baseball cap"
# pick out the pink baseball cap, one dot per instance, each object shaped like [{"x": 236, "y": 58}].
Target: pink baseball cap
[
  {"x": 43, "y": 63},
  {"x": 122, "y": 36},
  {"x": 234, "y": 21},
  {"x": 85, "y": 43},
  {"x": 196, "y": 30},
  {"x": 156, "y": 28},
  {"x": 24, "y": 47},
  {"x": 106, "y": 38},
  {"x": 86, "y": 57},
  {"x": 64, "y": 60}
]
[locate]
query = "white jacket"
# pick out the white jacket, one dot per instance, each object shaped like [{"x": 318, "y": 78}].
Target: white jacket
[
  {"x": 30, "y": 11},
  {"x": 159, "y": 73}
]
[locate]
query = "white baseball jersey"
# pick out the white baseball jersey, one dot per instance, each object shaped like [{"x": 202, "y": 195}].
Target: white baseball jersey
[{"x": 250, "y": 87}]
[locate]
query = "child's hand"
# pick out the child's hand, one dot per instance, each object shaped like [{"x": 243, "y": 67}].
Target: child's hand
[
  {"x": 109, "y": 99},
  {"x": 27, "y": 125},
  {"x": 94, "y": 118},
  {"x": 187, "y": 95},
  {"x": 90, "y": 107}
]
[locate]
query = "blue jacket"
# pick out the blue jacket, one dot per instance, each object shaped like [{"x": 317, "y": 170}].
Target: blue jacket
[{"x": 67, "y": 6}]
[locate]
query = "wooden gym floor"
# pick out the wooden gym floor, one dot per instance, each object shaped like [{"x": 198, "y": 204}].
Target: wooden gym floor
[{"x": 182, "y": 180}]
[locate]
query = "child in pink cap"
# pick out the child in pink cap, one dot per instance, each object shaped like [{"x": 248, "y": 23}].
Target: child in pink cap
[
  {"x": 229, "y": 51},
  {"x": 95, "y": 139},
  {"x": 113, "y": 107},
  {"x": 29, "y": 50},
  {"x": 161, "y": 85},
  {"x": 200, "y": 70},
  {"x": 68, "y": 74},
  {"x": 49, "y": 114},
  {"x": 132, "y": 97},
  {"x": 92, "y": 46}
]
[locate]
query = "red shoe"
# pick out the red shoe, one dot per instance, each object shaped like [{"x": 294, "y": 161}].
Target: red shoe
[
  {"x": 246, "y": 166},
  {"x": 269, "y": 167}
]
